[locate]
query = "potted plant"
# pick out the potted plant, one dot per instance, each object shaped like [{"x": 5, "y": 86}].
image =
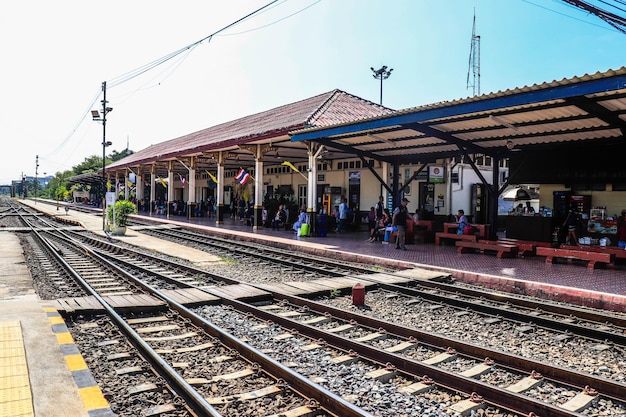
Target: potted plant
[{"x": 118, "y": 215}]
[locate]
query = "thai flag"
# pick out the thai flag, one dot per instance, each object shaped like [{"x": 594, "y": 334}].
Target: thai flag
[
  {"x": 182, "y": 180},
  {"x": 242, "y": 176}
]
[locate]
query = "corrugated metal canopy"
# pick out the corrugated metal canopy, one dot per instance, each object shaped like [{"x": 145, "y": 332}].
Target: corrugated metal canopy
[
  {"x": 580, "y": 109},
  {"x": 270, "y": 127}
]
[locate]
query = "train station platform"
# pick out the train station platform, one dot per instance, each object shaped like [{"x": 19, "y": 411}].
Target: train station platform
[
  {"x": 41, "y": 371},
  {"x": 598, "y": 288}
]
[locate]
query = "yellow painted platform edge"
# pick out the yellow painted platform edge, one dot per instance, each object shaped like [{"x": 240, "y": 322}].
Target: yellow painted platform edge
[{"x": 92, "y": 396}]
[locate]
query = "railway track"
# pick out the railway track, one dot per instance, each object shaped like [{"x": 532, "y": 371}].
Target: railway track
[
  {"x": 167, "y": 340},
  {"x": 461, "y": 375}
]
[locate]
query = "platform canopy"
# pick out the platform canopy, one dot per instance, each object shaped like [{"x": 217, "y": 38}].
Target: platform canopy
[
  {"x": 589, "y": 110},
  {"x": 269, "y": 129}
]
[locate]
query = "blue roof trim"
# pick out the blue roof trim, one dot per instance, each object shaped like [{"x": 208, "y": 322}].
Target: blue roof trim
[{"x": 510, "y": 100}]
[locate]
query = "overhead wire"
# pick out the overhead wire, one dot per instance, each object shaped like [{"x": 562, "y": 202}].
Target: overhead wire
[
  {"x": 147, "y": 67},
  {"x": 566, "y": 15},
  {"x": 274, "y": 22},
  {"x": 153, "y": 64},
  {"x": 618, "y": 22}
]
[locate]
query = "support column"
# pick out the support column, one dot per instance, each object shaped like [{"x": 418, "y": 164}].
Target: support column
[
  {"x": 220, "y": 189},
  {"x": 191, "y": 200},
  {"x": 493, "y": 199},
  {"x": 152, "y": 187},
  {"x": 126, "y": 186},
  {"x": 139, "y": 189},
  {"x": 258, "y": 191},
  {"x": 117, "y": 186},
  {"x": 170, "y": 186},
  {"x": 311, "y": 190}
]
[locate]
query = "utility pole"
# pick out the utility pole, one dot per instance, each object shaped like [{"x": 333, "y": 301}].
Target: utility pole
[
  {"x": 101, "y": 116},
  {"x": 381, "y": 74},
  {"x": 36, "y": 180}
]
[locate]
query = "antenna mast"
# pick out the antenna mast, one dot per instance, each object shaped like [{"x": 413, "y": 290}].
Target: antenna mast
[{"x": 474, "y": 62}]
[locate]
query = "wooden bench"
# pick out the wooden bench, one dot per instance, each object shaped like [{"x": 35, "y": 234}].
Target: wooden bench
[
  {"x": 453, "y": 236},
  {"x": 618, "y": 252},
  {"x": 593, "y": 258},
  {"x": 502, "y": 250},
  {"x": 525, "y": 247},
  {"x": 423, "y": 230}
]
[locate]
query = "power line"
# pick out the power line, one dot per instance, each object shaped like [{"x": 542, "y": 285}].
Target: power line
[
  {"x": 566, "y": 15},
  {"x": 147, "y": 67},
  {"x": 151, "y": 65},
  {"x": 618, "y": 22}
]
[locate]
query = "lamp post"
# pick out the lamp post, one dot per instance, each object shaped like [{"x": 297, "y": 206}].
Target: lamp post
[
  {"x": 381, "y": 74},
  {"x": 101, "y": 116}
]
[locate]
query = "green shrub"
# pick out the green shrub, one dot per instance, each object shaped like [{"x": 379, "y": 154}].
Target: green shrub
[{"x": 122, "y": 209}]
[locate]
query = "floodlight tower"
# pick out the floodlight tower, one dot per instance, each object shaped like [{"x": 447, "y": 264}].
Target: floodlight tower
[{"x": 381, "y": 74}]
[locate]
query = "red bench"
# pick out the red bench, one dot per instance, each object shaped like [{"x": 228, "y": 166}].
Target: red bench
[
  {"x": 593, "y": 258},
  {"x": 502, "y": 250},
  {"x": 525, "y": 247},
  {"x": 618, "y": 252},
  {"x": 423, "y": 230},
  {"x": 453, "y": 236}
]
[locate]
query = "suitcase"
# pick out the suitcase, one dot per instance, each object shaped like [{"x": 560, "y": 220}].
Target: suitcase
[{"x": 304, "y": 229}]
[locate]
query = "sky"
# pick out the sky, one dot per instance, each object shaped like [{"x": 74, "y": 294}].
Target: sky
[{"x": 57, "y": 55}]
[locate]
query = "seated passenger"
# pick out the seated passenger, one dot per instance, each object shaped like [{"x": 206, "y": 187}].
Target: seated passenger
[
  {"x": 302, "y": 217},
  {"x": 378, "y": 232},
  {"x": 279, "y": 218}
]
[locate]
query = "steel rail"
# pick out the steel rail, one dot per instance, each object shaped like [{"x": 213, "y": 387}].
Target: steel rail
[
  {"x": 332, "y": 403},
  {"x": 548, "y": 322},
  {"x": 605, "y": 386},
  {"x": 544, "y": 305},
  {"x": 195, "y": 401},
  {"x": 514, "y": 402}
]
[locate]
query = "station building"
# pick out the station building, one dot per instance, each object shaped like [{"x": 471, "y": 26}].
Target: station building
[{"x": 565, "y": 137}]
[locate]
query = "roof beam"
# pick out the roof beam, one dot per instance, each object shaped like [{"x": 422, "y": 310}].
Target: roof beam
[
  {"x": 599, "y": 111},
  {"x": 328, "y": 142},
  {"x": 446, "y": 137}
]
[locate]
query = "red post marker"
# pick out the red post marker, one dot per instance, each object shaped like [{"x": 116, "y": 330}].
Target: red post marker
[{"x": 358, "y": 294}]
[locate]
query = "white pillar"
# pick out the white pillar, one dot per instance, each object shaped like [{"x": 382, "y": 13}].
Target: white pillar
[
  {"x": 220, "y": 189},
  {"x": 170, "y": 186},
  {"x": 126, "y": 186},
  {"x": 258, "y": 190},
  {"x": 152, "y": 187}
]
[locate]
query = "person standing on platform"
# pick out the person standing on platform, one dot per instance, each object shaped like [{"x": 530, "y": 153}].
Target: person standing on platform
[
  {"x": 343, "y": 215},
  {"x": 570, "y": 223},
  {"x": 379, "y": 207},
  {"x": 400, "y": 215},
  {"x": 371, "y": 221}
]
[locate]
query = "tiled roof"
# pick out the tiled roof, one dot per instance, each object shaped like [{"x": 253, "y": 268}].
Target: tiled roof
[{"x": 322, "y": 110}]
